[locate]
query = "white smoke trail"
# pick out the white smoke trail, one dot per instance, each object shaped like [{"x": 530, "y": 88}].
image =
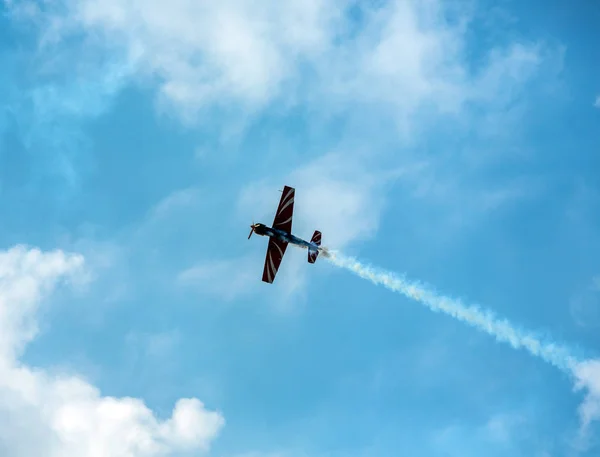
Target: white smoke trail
[
  {"x": 585, "y": 373},
  {"x": 484, "y": 320}
]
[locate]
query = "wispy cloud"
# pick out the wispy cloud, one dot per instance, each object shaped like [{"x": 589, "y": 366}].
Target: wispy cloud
[
  {"x": 597, "y": 102},
  {"x": 156, "y": 346},
  {"x": 588, "y": 379},
  {"x": 225, "y": 278},
  {"x": 49, "y": 91},
  {"x": 403, "y": 54},
  {"x": 501, "y": 432},
  {"x": 585, "y": 305},
  {"x": 228, "y": 50},
  {"x": 588, "y": 374},
  {"x": 179, "y": 199}
]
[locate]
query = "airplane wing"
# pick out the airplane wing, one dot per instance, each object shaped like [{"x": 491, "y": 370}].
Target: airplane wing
[
  {"x": 285, "y": 210},
  {"x": 275, "y": 253}
]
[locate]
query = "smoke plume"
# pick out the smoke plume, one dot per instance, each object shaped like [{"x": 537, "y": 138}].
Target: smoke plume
[{"x": 585, "y": 373}]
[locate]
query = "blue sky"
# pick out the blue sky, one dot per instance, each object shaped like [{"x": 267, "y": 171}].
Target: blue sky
[{"x": 456, "y": 142}]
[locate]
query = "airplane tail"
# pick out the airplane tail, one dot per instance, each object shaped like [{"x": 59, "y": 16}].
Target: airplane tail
[{"x": 314, "y": 253}]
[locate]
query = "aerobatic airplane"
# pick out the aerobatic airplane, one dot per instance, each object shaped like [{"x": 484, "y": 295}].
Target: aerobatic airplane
[{"x": 280, "y": 235}]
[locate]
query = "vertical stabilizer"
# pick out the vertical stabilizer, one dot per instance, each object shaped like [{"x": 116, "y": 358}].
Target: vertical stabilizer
[{"x": 314, "y": 253}]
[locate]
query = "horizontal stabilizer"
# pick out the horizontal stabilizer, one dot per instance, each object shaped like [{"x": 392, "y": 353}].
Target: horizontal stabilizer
[{"x": 316, "y": 238}]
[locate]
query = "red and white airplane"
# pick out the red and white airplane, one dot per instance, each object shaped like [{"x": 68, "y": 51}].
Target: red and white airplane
[{"x": 280, "y": 235}]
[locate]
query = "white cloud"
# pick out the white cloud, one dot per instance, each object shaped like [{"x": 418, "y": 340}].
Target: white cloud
[
  {"x": 584, "y": 305},
  {"x": 157, "y": 346},
  {"x": 498, "y": 435},
  {"x": 25, "y": 277},
  {"x": 588, "y": 377},
  {"x": 182, "y": 198},
  {"x": 404, "y": 54},
  {"x": 200, "y": 52},
  {"x": 230, "y": 279},
  {"x": 500, "y": 427},
  {"x": 56, "y": 414},
  {"x": 226, "y": 278}
]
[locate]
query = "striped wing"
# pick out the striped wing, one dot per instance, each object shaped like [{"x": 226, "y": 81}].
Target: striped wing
[
  {"x": 285, "y": 210},
  {"x": 275, "y": 253}
]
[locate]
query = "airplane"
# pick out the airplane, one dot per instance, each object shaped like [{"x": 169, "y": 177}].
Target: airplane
[{"x": 280, "y": 235}]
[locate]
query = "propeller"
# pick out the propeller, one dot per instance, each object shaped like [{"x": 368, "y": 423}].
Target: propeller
[{"x": 252, "y": 229}]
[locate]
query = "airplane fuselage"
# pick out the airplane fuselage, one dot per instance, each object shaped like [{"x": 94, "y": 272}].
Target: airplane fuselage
[{"x": 263, "y": 230}]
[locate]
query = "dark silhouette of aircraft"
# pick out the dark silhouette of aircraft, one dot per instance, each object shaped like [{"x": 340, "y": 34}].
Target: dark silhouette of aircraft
[{"x": 280, "y": 235}]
